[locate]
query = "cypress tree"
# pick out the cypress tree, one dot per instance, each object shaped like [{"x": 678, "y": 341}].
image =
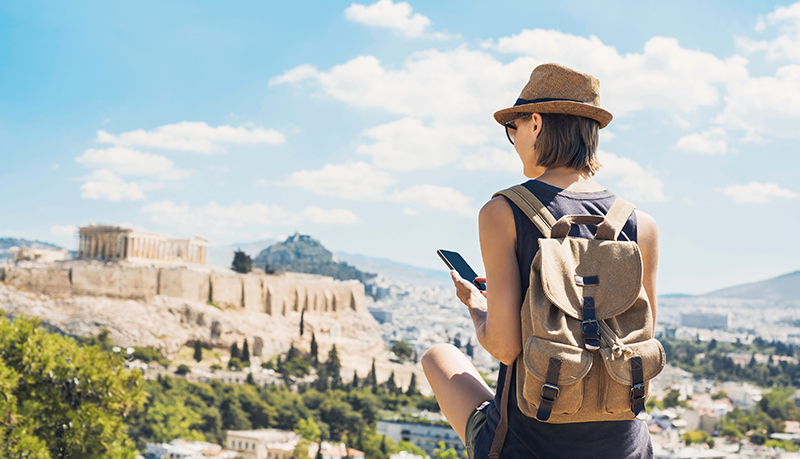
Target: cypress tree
[
  {"x": 235, "y": 351},
  {"x": 302, "y": 321},
  {"x": 391, "y": 386},
  {"x": 354, "y": 384},
  {"x": 372, "y": 377},
  {"x": 334, "y": 367},
  {"x": 198, "y": 351},
  {"x": 314, "y": 350},
  {"x": 412, "y": 385},
  {"x": 245, "y": 352}
]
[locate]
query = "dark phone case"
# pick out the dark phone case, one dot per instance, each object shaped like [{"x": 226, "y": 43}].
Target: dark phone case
[{"x": 455, "y": 261}]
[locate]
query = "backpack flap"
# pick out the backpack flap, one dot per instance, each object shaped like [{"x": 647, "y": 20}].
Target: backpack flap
[{"x": 608, "y": 272}]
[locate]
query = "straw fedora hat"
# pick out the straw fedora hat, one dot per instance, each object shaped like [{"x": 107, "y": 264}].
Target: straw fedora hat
[{"x": 554, "y": 88}]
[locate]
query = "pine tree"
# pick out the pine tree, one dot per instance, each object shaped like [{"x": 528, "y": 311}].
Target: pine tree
[
  {"x": 198, "y": 351},
  {"x": 242, "y": 263},
  {"x": 372, "y": 377},
  {"x": 470, "y": 349},
  {"x": 314, "y": 350},
  {"x": 235, "y": 351},
  {"x": 245, "y": 352},
  {"x": 354, "y": 383},
  {"x": 412, "y": 385},
  {"x": 302, "y": 321},
  {"x": 457, "y": 341}
]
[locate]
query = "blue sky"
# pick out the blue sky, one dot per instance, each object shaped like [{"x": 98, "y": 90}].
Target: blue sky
[{"x": 369, "y": 125}]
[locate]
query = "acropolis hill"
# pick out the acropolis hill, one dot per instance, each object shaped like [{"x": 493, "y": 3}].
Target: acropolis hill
[{"x": 152, "y": 291}]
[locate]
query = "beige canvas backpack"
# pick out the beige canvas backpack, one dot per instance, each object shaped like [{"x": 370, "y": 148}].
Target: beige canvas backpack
[{"x": 588, "y": 351}]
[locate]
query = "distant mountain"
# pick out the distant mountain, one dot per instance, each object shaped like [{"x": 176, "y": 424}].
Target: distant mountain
[
  {"x": 301, "y": 253},
  {"x": 399, "y": 271},
  {"x": 223, "y": 255},
  {"x": 8, "y": 242},
  {"x": 781, "y": 288}
]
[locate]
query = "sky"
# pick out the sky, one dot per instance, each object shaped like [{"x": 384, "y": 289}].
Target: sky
[{"x": 369, "y": 125}]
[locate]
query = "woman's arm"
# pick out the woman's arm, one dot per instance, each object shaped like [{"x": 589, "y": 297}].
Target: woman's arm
[
  {"x": 648, "y": 246},
  {"x": 496, "y": 317}
]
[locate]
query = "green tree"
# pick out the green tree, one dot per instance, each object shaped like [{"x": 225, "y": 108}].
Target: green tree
[
  {"x": 402, "y": 350},
  {"x": 309, "y": 429},
  {"x": 62, "y": 399},
  {"x": 333, "y": 367},
  {"x": 354, "y": 382},
  {"x": 391, "y": 385},
  {"x": 172, "y": 420},
  {"x": 245, "y": 352},
  {"x": 302, "y": 321},
  {"x": 242, "y": 263},
  {"x": 442, "y": 453},
  {"x": 235, "y": 351},
  {"x": 372, "y": 377},
  {"x": 198, "y": 351},
  {"x": 314, "y": 350},
  {"x": 183, "y": 370},
  {"x": 235, "y": 364},
  {"x": 412, "y": 386}
]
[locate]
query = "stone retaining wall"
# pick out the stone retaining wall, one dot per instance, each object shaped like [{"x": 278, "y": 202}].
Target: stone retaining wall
[{"x": 274, "y": 294}]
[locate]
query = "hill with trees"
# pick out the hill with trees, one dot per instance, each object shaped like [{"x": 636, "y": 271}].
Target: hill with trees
[{"x": 301, "y": 253}]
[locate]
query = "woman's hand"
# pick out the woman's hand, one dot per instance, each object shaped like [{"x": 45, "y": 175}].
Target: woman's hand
[{"x": 468, "y": 293}]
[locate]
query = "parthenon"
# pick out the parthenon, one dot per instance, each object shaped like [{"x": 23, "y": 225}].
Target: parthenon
[{"x": 116, "y": 243}]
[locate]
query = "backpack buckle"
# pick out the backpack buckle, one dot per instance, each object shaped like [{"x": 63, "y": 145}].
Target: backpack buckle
[
  {"x": 591, "y": 334},
  {"x": 549, "y": 392}
]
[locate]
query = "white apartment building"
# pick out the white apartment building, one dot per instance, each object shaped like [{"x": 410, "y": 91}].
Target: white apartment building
[
  {"x": 424, "y": 436},
  {"x": 262, "y": 444}
]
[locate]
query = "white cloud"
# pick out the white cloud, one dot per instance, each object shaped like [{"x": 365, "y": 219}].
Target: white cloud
[
  {"x": 126, "y": 161},
  {"x": 710, "y": 142},
  {"x": 359, "y": 181},
  {"x": 54, "y": 166},
  {"x": 765, "y": 105},
  {"x": 221, "y": 219},
  {"x": 193, "y": 136},
  {"x": 384, "y": 13},
  {"x": 66, "y": 230},
  {"x": 631, "y": 181},
  {"x": 493, "y": 159},
  {"x": 330, "y": 216},
  {"x": 786, "y": 45},
  {"x": 410, "y": 212},
  {"x": 447, "y": 85},
  {"x": 439, "y": 198},
  {"x": 757, "y": 193},
  {"x": 407, "y": 144},
  {"x": 664, "y": 76},
  {"x": 105, "y": 184}
]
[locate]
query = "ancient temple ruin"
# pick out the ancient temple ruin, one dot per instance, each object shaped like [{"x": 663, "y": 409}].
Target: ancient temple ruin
[{"x": 114, "y": 243}]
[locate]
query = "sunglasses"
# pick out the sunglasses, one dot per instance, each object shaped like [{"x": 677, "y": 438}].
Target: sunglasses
[{"x": 511, "y": 126}]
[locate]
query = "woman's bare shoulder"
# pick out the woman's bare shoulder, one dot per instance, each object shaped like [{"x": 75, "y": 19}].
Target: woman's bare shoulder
[{"x": 646, "y": 227}]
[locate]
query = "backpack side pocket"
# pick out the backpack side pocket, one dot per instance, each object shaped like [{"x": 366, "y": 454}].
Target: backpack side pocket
[
  {"x": 617, "y": 381},
  {"x": 531, "y": 378}
]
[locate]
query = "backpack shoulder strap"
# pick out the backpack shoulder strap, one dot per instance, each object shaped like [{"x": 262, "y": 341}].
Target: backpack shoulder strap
[
  {"x": 531, "y": 206},
  {"x": 618, "y": 215}
]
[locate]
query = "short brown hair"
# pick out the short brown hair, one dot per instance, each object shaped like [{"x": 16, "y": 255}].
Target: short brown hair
[{"x": 568, "y": 141}]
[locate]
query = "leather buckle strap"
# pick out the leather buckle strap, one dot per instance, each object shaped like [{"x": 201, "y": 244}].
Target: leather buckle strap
[
  {"x": 638, "y": 391},
  {"x": 549, "y": 390},
  {"x": 590, "y": 327}
]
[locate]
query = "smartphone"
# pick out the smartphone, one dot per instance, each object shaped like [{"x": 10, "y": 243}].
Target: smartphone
[{"x": 454, "y": 260}]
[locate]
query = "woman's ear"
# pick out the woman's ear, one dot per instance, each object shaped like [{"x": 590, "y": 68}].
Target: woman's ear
[{"x": 536, "y": 125}]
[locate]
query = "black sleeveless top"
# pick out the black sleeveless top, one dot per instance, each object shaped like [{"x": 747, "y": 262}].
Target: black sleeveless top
[{"x": 528, "y": 437}]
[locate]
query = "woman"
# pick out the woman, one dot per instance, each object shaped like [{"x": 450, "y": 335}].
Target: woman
[{"x": 554, "y": 129}]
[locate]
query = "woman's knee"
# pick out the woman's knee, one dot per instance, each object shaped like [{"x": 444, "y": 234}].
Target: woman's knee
[{"x": 435, "y": 354}]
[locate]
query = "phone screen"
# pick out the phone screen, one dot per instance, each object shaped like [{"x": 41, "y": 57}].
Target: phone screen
[{"x": 454, "y": 260}]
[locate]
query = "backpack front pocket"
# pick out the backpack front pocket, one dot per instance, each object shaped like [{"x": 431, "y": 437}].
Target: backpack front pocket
[
  {"x": 564, "y": 391},
  {"x": 618, "y": 380}
]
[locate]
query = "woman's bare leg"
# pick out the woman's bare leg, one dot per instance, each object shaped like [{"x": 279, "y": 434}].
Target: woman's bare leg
[{"x": 456, "y": 383}]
